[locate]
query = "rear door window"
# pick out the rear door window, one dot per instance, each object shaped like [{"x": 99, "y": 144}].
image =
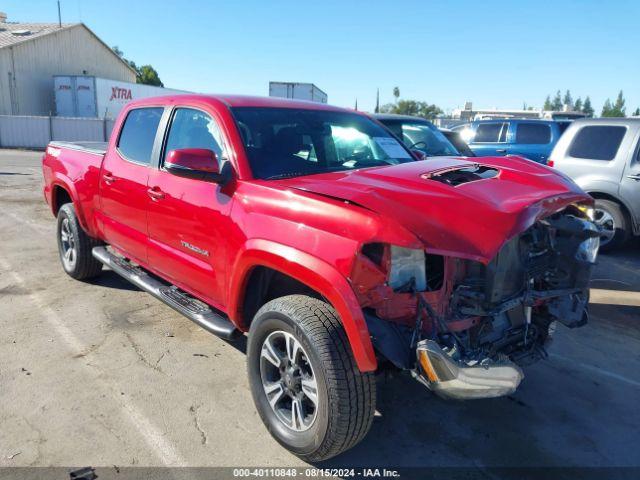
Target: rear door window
[
  {"x": 491, "y": 133},
  {"x": 533, "y": 133},
  {"x": 597, "y": 142},
  {"x": 139, "y": 133}
]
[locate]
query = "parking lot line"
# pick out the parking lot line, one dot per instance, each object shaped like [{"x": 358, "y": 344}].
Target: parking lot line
[
  {"x": 614, "y": 297},
  {"x": 595, "y": 369},
  {"x": 153, "y": 437}
]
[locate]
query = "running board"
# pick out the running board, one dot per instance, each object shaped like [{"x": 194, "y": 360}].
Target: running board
[{"x": 195, "y": 310}]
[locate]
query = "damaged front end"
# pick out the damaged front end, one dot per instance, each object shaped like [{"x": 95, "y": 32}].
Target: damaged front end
[{"x": 465, "y": 328}]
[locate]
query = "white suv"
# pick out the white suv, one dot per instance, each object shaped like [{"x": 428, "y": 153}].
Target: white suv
[{"x": 603, "y": 157}]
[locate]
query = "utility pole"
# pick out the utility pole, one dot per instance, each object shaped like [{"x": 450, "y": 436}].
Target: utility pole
[{"x": 59, "y": 16}]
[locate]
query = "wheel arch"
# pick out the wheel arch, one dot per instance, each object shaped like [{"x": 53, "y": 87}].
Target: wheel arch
[
  {"x": 304, "y": 270},
  {"x": 64, "y": 192}
]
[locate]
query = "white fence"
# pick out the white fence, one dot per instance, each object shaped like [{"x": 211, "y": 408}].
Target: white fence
[{"x": 35, "y": 132}]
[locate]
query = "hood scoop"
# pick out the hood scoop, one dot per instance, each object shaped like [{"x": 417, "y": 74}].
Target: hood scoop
[{"x": 461, "y": 175}]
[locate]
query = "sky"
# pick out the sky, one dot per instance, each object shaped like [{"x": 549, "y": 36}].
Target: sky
[{"x": 495, "y": 53}]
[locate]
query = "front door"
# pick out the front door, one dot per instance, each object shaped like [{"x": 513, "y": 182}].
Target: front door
[
  {"x": 123, "y": 183},
  {"x": 630, "y": 183},
  {"x": 490, "y": 139},
  {"x": 533, "y": 140},
  {"x": 189, "y": 223}
]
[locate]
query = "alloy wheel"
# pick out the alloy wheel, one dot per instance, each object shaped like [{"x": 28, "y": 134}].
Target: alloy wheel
[
  {"x": 605, "y": 221},
  {"x": 288, "y": 380},
  {"x": 68, "y": 245}
]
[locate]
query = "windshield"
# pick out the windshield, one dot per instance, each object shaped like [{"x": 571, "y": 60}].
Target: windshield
[
  {"x": 286, "y": 142},
  {"x": 423, "y": 136}
]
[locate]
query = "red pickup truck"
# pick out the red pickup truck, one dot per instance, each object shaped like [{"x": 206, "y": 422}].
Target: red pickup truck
[{"x": 316, "y": 231}]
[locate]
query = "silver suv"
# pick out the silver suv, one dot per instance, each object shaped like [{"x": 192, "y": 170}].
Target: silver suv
[{"x": 603, "y": 157}]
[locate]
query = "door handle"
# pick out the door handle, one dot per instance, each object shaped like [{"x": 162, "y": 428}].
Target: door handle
[
  {"x": 501, "y": 150},
  {"x": 155, "y": 193},
  {"x": 108, "y": 178},
  {"x": 634, "y": 177}
]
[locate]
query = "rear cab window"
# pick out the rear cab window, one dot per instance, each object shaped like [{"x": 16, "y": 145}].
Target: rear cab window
[
  {"x": 597, "y": 142},
  {"x": 533, "y": 133},
  {"x": 491, "y": 133},
  {"x": 138, "y": 134}
]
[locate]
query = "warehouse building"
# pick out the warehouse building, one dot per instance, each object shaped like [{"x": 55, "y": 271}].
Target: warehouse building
[{"x": 32, "y": 53}]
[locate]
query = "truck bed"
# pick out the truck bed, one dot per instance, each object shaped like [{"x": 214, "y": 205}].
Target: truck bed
[{"x": 96, "y": 148}]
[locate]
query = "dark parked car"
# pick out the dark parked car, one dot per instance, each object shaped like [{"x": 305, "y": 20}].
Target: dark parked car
[
  {"x": 418, "y": 134},
  {"x": 456, "y": 140}
]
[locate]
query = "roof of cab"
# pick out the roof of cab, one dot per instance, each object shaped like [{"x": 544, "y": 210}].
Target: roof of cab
[
  {"x": 239, "y": 101},
  {"x": 624, "y": 121},
  {"x": 396, "y": 116}
]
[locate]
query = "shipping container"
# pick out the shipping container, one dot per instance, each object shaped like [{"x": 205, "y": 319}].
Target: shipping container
[
  {"x": 299, "y": 91},
  {"x": 87, "y": 96}
]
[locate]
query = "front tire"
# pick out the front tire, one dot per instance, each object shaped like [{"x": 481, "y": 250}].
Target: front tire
[
  {"x": 304, "y": 380},
  {"x": 615, "y": 225},
  {"x": 74, "y": 246}
]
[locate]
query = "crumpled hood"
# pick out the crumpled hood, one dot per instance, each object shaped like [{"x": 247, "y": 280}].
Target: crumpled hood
[{"x": 471, "y": 220}]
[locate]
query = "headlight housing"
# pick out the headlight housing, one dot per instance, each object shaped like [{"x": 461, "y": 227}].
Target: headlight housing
[
  {"x": 588, "y": 211},
  {"x": 407, "y": 263}
]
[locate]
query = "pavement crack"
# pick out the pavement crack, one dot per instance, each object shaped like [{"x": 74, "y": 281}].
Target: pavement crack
[
  {"x": 203, "y": 436},
  {"x": 138, "y": 350}
]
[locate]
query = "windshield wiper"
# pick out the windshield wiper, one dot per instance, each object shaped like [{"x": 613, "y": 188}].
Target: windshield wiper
[{"x": 288, "y": 175}]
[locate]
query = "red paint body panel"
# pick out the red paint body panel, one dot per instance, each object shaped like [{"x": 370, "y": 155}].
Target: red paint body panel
[
  {"x": 471, "y": 220},
  {"x": 207, "y": 239}
]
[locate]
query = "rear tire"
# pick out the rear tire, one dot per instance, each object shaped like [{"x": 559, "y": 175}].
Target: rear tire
[
  {"x": 74, "y": 246},
  {"x": 610, "y": 216},
  {"x": 345, "y": 397}
]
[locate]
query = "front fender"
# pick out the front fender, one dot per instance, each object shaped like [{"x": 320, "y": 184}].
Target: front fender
[{"x": 313, "y": 272}]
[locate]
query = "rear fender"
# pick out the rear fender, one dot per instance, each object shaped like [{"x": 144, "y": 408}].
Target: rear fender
[
  {"x": 61, "y": 181},
  {"x": 316, "y": 274}
]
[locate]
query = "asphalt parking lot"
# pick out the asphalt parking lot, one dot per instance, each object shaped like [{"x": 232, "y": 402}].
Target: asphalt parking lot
[{"x": 103, "y": 374}]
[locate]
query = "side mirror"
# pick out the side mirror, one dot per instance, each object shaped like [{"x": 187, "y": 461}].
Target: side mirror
[
  {"x": 196, "y": 163},
  {"x": 419, "y": 154}
]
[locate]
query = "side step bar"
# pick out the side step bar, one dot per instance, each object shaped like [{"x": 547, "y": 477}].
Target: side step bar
[{"x": 195, "y": 310}]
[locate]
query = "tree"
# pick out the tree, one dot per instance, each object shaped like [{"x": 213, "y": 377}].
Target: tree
[
  {"x": 606, "y": 109},
  {"x": 547, "y": 103},
  {"x": 396, "y": 93},
  {"x": 568, "y": 100},
  {"x": 145, "y": 74},
  {"x": 557, "y": 102},
  {"x": 577, "y": 105},
  {"x": 637, "y": 112},
  {"x": 587, "y": 109},
  {"x": 616, "y": 109},
  {"x": 412, "y": 107},
  {"x": 148, "y": 76},
  {"x": 377, "y": 110}
]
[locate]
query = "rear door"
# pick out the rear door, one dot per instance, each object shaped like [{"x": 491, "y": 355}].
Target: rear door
[
  {"x": 630, "y": 183},
  {"x": 595, "y": 156},
  {"x": 490, "y": 139},
  {"x": 123, "y": 183},
  {"x": 532, "y": 140},
  {"x": 189, "y": 223}
]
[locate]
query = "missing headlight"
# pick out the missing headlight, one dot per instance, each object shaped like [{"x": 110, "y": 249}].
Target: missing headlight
[{"x": 407, "y": 264}]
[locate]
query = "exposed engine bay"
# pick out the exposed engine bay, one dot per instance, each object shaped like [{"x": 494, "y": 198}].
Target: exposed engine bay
[{"x": 471, "y": 324}]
